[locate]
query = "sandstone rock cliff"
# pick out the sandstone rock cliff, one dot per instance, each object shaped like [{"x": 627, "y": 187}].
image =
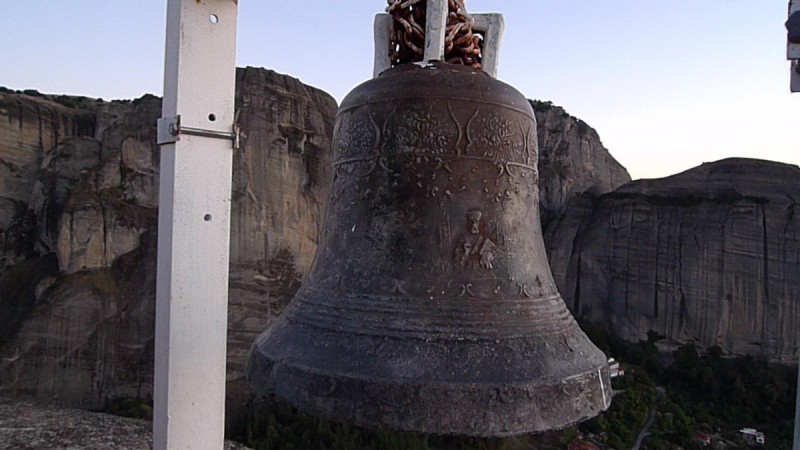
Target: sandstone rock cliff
[
  {"x": 78, "y": 226},
  {"x": 78, "y": 199},
  {"x": 280, "y": 185},
  {"x": 82, "y": 324},
  {"x": 572, "y": 160},
  {"x": 78, "y": 208},
  {"x": 709, "y": 256}
]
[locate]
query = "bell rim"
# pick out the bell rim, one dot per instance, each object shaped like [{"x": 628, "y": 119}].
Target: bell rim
[{"x": 296, "y": 384}]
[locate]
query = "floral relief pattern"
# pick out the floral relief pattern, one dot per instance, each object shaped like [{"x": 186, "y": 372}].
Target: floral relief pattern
[
  {"x": 497, "y": 138},
  {"x": 354, "y": 138},
  {"x": 417, "y": 131}
]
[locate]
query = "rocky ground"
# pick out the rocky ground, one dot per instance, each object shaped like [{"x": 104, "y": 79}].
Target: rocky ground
[{"x": 26, "y": 425}]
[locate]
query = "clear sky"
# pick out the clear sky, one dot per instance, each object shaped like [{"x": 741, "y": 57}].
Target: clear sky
[{"x": 667, "y": 84}]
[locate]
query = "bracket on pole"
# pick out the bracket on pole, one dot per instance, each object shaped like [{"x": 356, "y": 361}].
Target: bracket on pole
[{"x": 170, "y": 131}]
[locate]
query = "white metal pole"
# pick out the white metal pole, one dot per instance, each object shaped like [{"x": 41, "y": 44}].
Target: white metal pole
[
  {"x": 796, "y": 445},
  {"x": 793, "y": 48},
  {"x": 793, "y": 54},
  {"x": 435, "y": 30},
  {"x": 492, "y": 27},
  {"x": 195, "y": 134},
  {"x": 383, "y": 36}
]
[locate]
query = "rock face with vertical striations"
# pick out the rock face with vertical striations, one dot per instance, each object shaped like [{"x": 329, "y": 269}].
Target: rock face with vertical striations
[
  {"x": 572, "y": 160},
  {"x": 82, "y": 321},
  {"x": 280, "y": 184},
  {"x": 708, "y": 256},
  {"x": 78, "y": 210},
  {"x": 78, "y": 228},
  {"x": 684, "y": 256},
  {"x": 32, "y": 130}
]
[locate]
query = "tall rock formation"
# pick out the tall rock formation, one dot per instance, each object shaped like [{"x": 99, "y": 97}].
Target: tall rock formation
[
  {"x": 82, "y": 321},
  {"x": 572, "y": 160},
  {"x": 708, "y": 256},
  {"x": 78, "y": 209},
  {"x": 280, "y": 185},
  {"x": 31, "y": 130}
]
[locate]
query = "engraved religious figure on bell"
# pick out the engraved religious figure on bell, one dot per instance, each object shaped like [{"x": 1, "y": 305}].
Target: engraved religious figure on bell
[{"x": 474, "y": 249}]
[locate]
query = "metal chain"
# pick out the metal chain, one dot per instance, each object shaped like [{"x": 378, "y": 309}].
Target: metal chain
[{"x": 407, "y": 45}]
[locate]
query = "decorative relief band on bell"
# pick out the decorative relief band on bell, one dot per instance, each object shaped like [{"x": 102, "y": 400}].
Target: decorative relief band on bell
[{"x": 370, "y": 132}]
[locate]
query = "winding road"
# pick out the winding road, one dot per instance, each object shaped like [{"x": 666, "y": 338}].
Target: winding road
[
  {"x": 646, "y": 428},
  {"x": 650, "y": 421}
]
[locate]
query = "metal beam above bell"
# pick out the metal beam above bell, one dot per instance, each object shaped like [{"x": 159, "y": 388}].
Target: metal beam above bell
[{"x": 491, "y": 26}]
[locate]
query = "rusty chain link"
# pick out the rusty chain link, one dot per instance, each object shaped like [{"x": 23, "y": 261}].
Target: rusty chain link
[{"x": 407, "y": 45}]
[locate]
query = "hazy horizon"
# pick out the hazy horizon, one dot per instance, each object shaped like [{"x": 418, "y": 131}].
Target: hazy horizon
[{"x": 666, "y": 86}]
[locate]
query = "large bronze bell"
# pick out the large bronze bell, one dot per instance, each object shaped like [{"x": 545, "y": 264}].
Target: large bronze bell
[{"x": 430, "y": 305}]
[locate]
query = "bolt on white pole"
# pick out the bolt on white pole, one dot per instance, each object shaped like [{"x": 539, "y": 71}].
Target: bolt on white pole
[{"x": 194, "y": 224}]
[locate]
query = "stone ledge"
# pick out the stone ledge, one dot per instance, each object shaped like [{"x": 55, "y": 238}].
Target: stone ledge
[{"x": 28, "y": 426}]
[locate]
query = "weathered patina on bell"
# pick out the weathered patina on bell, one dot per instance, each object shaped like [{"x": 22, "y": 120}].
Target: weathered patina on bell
[{"x": 430, "y": 305}]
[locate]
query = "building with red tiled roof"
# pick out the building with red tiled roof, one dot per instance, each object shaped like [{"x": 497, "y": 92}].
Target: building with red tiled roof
[
  {"x": 582, "y": 446},
  {"x": 701, "y": 438}
]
